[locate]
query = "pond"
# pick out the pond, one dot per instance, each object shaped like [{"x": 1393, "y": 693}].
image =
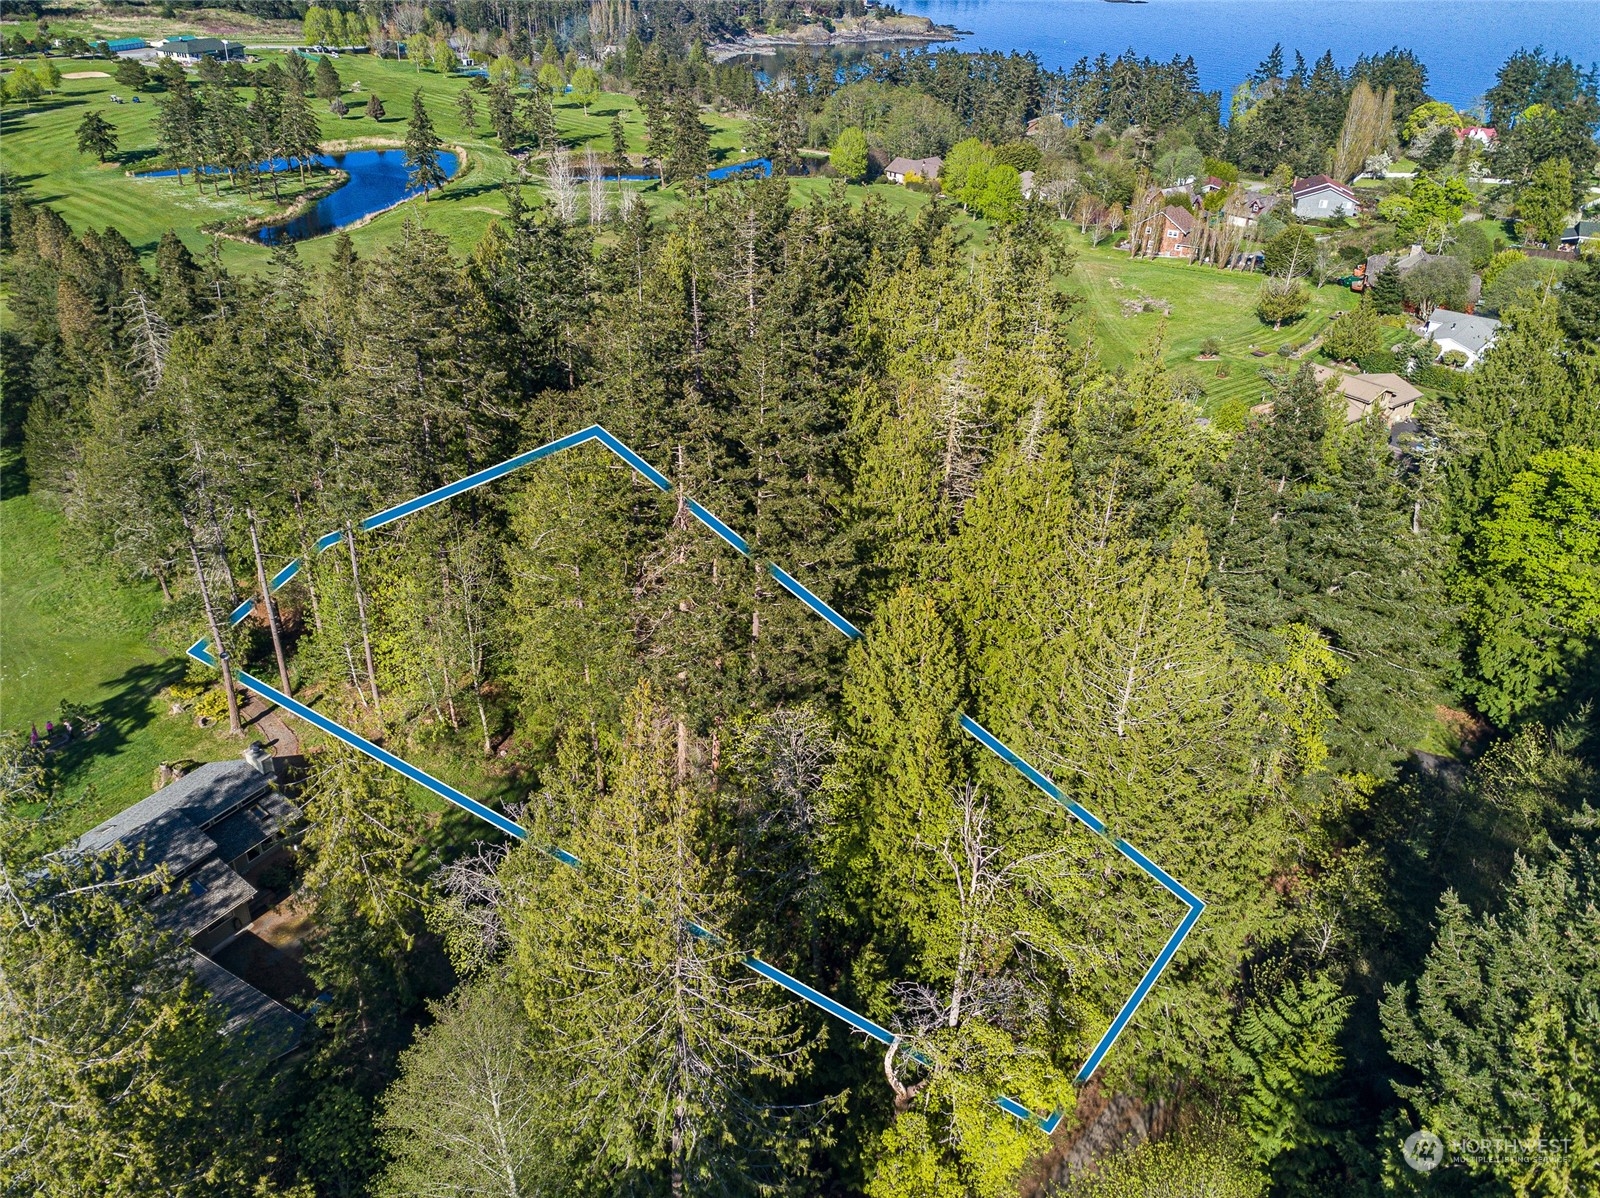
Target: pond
[{"x": 378, "y": 180}]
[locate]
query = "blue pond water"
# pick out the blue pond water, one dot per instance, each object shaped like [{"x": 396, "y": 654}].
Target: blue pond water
[{"x": 378, "y": 180}]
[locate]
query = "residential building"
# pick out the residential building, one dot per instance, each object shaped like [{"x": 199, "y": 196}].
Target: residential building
[
  {"x": 1245, "y": 210},
  {"x": 1169, "y": 235},
  {"x": 1392, "y": 395},
  {"x": 1585, "y": 232},
  {"x": 901, "y": 169},
  {"x": 211, "y": 829},
  {"x": 1323, "y": 198},
  {"x": 1460, "y": 331},
  {"x": 1405, "y": 262},
  {"x": 1484, "y": 135},
  {"x": 189, "y": 49}
]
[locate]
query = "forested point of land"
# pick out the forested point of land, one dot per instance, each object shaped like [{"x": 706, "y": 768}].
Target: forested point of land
[{"x": 1337, "y": 678}]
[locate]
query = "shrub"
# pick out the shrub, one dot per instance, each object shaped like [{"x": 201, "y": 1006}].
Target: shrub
[
  {"x": 1440, "y": 378},
  {"x": 1379, "y": 361},
  {"x": 1453, "y": 358},
  {"x": 1353, "y": 335},
  {"x": 1211, "y": 347},
  {"x": 1292, "y": 252},
  {"x": 1022, "y": 155},
  {"x": 1281, "y": 302}
]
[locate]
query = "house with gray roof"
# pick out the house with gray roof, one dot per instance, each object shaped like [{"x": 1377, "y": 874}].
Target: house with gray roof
[
  {"x": 1457, "y": 330},
  {"x": 207, "y": 831}
]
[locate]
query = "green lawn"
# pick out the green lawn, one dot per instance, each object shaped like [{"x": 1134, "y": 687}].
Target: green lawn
[
  {"x": 41, "y": 156},
  {"x": 74, "y": 631},
  {"x": 1206, "y": 302}
]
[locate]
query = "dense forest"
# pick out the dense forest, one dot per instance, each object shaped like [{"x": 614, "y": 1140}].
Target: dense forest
[{"x": 1342, "y": 687}]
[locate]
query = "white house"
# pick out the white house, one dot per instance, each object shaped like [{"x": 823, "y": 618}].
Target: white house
[
  {"x": 1322, "y": 198},
  {"x": 1456, "y": 330},
  {"x": 923, "y": 168}
]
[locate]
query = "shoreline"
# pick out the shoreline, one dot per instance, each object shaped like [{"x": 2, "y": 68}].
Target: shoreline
[
  {"x": 245, "y": 230},
  {"x": 896, "y": 31}
]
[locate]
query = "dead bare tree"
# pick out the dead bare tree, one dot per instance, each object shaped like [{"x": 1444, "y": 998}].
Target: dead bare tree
[
  {"x": 959, "y": 414},
  {"x": 562, "y": 182},
  {"x": 594, "y": 176}
]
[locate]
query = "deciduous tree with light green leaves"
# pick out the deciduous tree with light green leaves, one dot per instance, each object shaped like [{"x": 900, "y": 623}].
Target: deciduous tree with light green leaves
[
  {"x": 585, "y": 87},
  {"x": 849, "y": 154},
  {"x": 471, "y": 1112}
]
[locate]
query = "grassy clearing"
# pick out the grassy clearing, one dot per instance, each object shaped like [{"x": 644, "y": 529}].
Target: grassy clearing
[
  {"x": 1206, "y": 302},
  {"x": 42, "y": 158},
  {"x": 73, "y": 631}
]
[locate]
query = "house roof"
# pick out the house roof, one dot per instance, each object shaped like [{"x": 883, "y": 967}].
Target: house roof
[
  {"x": 247, "y": 827},
  {"x": 171, "y": 840},
  {"x": 1404, "y": 263},
  {"x": 1181, "y": 218},
  {"x": 1389, "y": 391},
  {"x": 202, "y": 796},
  {"x": 1581, "y": 231},
  {"x": 1316, "y": 183},
  {"x": 202, "y": 898},
  {"x": 1260, "y": 201},
  {"x": 1473, "y": 333},
  {"x": 274, "y": 1026},
  {"x": 928, "y": 168}
]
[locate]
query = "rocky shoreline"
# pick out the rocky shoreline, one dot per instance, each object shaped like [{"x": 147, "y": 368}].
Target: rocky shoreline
[{"x": 865, "y": 32}]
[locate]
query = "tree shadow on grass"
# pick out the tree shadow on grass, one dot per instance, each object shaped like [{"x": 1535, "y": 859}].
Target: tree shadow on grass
[{"x": 127, "y": 709}]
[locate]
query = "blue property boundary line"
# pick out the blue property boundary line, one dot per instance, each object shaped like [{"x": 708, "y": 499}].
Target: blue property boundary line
[{"x": 201, "y": 651}]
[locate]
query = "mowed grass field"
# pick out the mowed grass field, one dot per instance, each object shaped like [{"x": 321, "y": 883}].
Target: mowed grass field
[
  {"x": 73, "y": 631},
  {"x": 1205, "y": 302},
  {"x": 38, "y": 148}
]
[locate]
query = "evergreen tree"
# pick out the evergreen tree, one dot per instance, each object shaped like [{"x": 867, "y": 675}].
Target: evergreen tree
[
  {"x": 690, "y": 151},
  {"x": 467, "y": 106},
  {"x": 96, "y": 136},
  {"x": 326, "y": 83},
  {"x": 1500, "y": 1028},
  {"x": 1519, "y": 400},
  {"x": 652, "y": 1026},
  {"x": 298, "y": 131},
  {"x": 619, "y": 142},
  {"x": 1355, "y": 334},
  {"x": 1531, "y": 619},
  {"x": 503, "y": 115},
  {"x": 375, "y": 107},
  {"x": 1387, "y": 292},
  {"x": 423, "y": 168}
]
